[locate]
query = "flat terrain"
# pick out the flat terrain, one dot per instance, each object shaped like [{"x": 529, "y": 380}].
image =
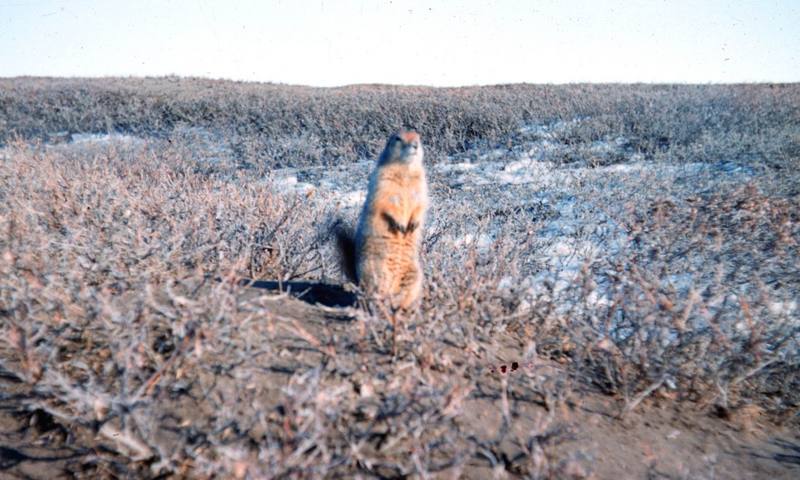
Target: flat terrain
[{"x": 611, "y": 283}]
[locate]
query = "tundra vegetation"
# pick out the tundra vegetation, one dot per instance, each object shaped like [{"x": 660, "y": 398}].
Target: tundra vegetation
[{"x": 606, "y": 265}]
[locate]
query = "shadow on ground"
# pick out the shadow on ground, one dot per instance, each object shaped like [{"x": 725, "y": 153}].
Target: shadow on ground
[
  {"x": 11, "y": 457},
  {"x": 309, "y": 292},
  {"x": 790, "y": 453}
]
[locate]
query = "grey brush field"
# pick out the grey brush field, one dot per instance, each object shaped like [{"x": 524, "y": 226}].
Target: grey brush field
[{"x": 612, "y": 279}]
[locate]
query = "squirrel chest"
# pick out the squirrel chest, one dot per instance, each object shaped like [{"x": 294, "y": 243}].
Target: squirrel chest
[{"x": 400, "y": 201}]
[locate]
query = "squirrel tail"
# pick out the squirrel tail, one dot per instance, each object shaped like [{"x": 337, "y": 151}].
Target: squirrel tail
[{"x": 346, "y": 244}]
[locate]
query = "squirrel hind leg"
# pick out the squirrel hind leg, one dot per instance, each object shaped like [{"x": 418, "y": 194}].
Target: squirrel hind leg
[{"x": 410, "y": 290}]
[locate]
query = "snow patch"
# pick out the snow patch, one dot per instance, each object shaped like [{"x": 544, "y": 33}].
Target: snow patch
[
  {"x": 353, "y": 199},
  {"x": 481, "y": 241},
  {"x": 783, "y": 308},
  {"x": 455, "y": 167},
  {"x": 289, "y": 184},
  {"x": 101, "y": 138}
]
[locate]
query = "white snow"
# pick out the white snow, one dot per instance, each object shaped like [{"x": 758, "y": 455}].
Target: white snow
[
  {"x": 352, "y": 199},
  {"x": 289, "y": 184},
  {"x": 481, "y": 241},
  {"x": 456, "y": 167},
  {"x": 101, "y": 138},
  {"x": 783, "y": 308}
]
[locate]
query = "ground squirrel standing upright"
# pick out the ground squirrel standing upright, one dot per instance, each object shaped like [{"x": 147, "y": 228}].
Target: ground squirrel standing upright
[{"x": 389, "y": 235}]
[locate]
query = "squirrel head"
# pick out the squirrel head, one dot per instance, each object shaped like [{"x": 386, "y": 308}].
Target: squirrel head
[{"x": 403, "y": 147}]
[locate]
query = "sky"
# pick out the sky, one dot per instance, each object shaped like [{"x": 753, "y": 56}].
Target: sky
[{"x": 441, "y": 43}]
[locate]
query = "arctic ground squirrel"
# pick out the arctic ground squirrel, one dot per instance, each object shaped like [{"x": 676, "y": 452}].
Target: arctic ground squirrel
[{"x": 385, "y": 258}]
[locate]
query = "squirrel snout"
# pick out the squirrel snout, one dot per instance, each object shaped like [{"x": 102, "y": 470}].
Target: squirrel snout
[{"x": 411, "y": 149}]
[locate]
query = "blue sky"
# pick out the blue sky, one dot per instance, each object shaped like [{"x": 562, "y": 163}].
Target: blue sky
[{"x": 430, "y": 42}]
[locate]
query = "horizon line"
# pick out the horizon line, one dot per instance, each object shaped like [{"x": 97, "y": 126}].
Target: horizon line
[{"x": 378, "y": 84}]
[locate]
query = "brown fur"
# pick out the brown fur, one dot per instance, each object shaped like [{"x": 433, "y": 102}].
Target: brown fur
[{"x": 390, "y": 228}]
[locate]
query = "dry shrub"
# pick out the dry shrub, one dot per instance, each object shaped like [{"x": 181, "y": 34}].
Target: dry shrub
[
  {"x": 114, "y": 318},
  {"x": 284, "y": 125}
]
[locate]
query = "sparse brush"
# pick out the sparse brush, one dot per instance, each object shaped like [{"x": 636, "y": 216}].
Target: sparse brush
[{"x": 122, "y": 316}]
